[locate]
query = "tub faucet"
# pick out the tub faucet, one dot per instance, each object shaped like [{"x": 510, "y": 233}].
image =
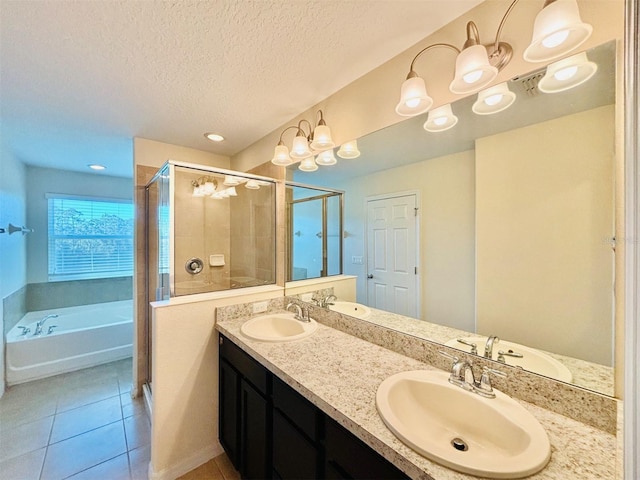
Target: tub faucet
[
  {"x": 488, "y": 347},
  {"x": 40, "y": 324}
]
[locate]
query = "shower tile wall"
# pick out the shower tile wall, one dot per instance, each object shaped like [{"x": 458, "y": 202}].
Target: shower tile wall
[
  {"x": 201, "y": 229},
  {"x": 252, "y": 236}
]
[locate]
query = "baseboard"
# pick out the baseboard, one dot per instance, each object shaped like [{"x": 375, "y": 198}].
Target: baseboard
[{"x": 187, "y": 464}]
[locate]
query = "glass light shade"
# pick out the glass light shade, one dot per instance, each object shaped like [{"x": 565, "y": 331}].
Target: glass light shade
[
  {"x": 214, "y": 137},
  {"x": 231, "y": 181},
  {"x": 473, "y": 70},
  {"x": 281, "y": 156},
  {"x": 308, "y": 165},
  {"x": 349, "y": 150},
  {"x": 231, "y": 192},
  {"x": 252, "y": 185},
  {"x": 567, "y": 73},
  {"x": 440, "y": 119},
  {"x": 557, "y": 30},
  {"x": 322, "y": 138},
  {"x": 414, "y": 98},
  {"x": 208, "y": 188},
  {"x": 300, "y": 148},
  {"x": 197, "y": 191},
  {"x": 494, "y": 99},
  {"x": 326, "y": 158}
]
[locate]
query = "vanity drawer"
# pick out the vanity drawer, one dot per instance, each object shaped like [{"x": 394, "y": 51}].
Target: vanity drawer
[
  {"x": 249, "y": 368},
  {"x": 300, "y": 411}
]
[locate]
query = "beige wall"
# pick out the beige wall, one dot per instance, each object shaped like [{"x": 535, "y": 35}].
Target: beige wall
[
  {"x": 445, "y": 186},
  {"x": 544, "y": 225},
  {"x": 344, "y": 286},
  {"x": 184, "y": 426}
]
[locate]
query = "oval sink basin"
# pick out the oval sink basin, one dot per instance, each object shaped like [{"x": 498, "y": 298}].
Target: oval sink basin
[
  {"x": 351, "y": 308},
  {"x": 278, "y": 327},
  {"x": 494, "y": 438},
  {"x": 532, "y": 360}
]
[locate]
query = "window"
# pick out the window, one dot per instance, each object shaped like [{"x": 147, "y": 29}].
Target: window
[{"x": 89, "y": 237}]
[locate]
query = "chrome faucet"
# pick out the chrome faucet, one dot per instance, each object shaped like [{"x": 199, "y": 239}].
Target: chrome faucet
[
  {"x": 328, "y": 300},
  {"x": 40, "y": 324},
  {"x": 488, "y": 347},
  {"x": 300, "y": 313},
  {"x": 462, "y": 376},
  {"x": 24, "y": 330}
]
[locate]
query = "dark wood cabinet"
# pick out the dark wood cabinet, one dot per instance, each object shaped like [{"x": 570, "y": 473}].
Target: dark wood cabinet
[{"x": 269, "y": 430}]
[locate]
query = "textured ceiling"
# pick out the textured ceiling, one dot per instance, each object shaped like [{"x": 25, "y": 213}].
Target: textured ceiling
[{"x": 79, "y": 79}]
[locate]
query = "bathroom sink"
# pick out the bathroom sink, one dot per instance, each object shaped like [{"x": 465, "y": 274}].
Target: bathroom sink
[
  {"x": 351, "y": 308},
  {"x": 278, "y": 327},
  {"x": 494, "y": 438},
  {"x": 532, "y": 360}
]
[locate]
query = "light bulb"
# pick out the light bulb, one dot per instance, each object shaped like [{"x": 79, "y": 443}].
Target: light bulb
[
  {"x": 493, "y": 99},
  {"x": 566, "y": 73},
  {"x": 412, "y": 102},
  {"x": 555, "y": 39},
  {"x": 472, "y": 77},
  {"x": 440, "y": 121}
]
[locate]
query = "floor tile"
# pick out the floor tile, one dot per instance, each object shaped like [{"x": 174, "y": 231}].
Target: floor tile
[
  {"x": 85, "y": 418},
  {"x": 226, "y": 467},
  {"x": 132, "y": 406},
  {"x": 206, "y": 471},
  {"x": 24, "y": 467},
  {"x": 84, "y": 451},
  {"x": 138, "y": 431},
  {"x": 139, "y": 463},
  {"x": 91, "y": 392},
  {"x": 114, "y": 469},
  {"x": 24, "y": 438},
  {"x": 27, "y": 414}
]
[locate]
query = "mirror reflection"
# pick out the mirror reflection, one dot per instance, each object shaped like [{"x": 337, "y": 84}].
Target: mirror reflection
[
  {"x": 502, "y": 226},
  {"x": 314, "y": 223}
]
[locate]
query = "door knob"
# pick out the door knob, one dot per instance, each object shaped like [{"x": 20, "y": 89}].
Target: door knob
[{"x": 370, "y": 275}]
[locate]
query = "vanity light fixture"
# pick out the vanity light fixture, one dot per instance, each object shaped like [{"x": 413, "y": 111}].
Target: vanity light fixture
[
  {"x": 252, "y": 185},
  {"x": 567, "y": 73},
  {"x": 349, "y": 150},
  {"x": 558, "y": 30},
  {"x": 204, "y": 186},
  {"x": 440, "y": 119},
  {"x": 308, "y": 165},
  {"x": 494, "y": 99},
  {"x": 306, "y": 144},
  {"x": 326, "y": 158}
]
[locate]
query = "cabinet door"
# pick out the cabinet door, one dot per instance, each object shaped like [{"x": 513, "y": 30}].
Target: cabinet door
[
  {"x": 295, "y": 457},
  {"x": 228, "y": 415},
  {"x": 349, "y": 457},
  {"x": 255, "y": 433}
]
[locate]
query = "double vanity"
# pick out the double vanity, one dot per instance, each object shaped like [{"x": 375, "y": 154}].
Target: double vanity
[{"x": 322, "y": 392}]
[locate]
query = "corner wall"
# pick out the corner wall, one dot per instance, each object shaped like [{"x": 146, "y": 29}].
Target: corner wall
[{"x": 13, "y": 261}]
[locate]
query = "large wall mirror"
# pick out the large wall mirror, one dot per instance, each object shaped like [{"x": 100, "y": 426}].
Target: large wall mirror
[{"x": 515, "y": 228}]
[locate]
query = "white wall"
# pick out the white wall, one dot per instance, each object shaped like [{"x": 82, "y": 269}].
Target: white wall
[
  {"x": 545, "y": 221},
  {"x": 46, "y": 180},
  {"x": 13, "y": 248}
]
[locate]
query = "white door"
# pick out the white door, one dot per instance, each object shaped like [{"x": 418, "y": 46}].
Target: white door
[{"x": 392, "y": 280}]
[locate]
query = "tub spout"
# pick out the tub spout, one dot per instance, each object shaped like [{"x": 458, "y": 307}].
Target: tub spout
[{"x": 40, "y": 324}]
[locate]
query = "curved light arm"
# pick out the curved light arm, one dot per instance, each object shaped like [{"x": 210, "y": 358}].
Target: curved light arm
[
  {"x": 412, "y": 73},
  {"x": 300, "y": 130},
  {"x": 496, "y": 44},
  {"x": 280, "y": 142}
]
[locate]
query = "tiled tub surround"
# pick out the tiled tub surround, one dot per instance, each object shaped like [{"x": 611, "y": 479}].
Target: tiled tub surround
[
  {"x": 340, "y": 374},
  {"x": 574, "y": 402}
]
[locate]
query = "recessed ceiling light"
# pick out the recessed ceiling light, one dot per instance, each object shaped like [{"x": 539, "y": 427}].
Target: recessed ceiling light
[
  {"x": 95, "y": 166},
  {"x": 214, "y": 137}
]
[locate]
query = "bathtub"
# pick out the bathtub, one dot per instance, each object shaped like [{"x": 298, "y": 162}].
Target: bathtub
[{"x": 84, "y": 336}]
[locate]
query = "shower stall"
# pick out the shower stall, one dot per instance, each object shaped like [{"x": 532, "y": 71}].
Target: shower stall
[{"x": 207, "y": 230}]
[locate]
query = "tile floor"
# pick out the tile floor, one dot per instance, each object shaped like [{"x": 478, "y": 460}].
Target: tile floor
[{"x": 80, "y": 425}]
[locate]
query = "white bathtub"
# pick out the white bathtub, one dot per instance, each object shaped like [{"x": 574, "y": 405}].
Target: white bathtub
[{"x": 84, "y": 336}]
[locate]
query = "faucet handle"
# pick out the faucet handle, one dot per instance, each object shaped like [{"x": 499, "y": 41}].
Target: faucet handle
[
  {"x": 484, "y": 388},
  {"x": 510, "y": 353},
  {"x": 474, "y": 347},
  {"x": 449, "y": 356},
  {"x": 25, "y": 330}
]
